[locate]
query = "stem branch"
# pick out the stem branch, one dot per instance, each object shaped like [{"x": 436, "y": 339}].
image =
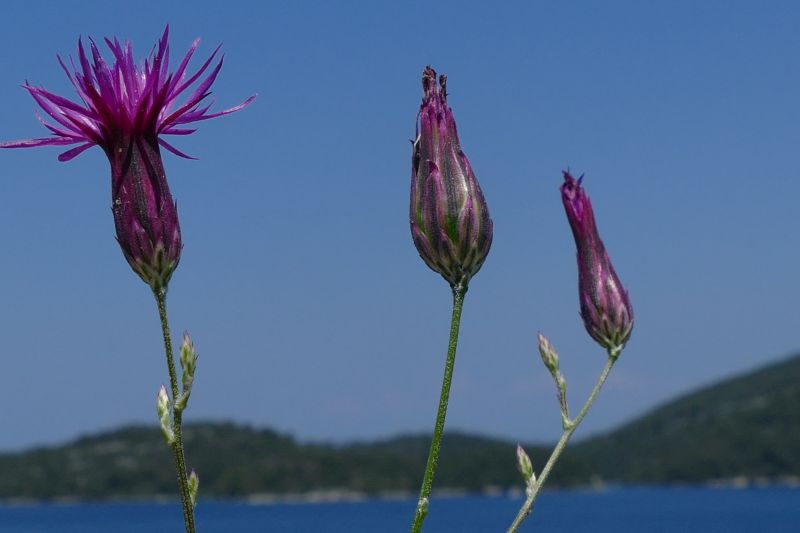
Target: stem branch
[{"x": 569, "y": 428}]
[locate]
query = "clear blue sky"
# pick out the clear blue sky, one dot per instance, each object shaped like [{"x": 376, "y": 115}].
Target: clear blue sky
[{"x": 309, "y": 306}]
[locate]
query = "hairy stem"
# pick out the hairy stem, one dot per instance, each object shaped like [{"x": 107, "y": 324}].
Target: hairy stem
[
  {"x": 433, "y": 456},
  {"x": 569, "y": 428},
  {"x": 177, "y": 415}
]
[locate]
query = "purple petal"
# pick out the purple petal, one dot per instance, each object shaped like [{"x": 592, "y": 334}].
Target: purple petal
[
  {"x": 67, "y": 119},
  {"x": 176, "y": 131},
  {"x": 198, "y": 115},
  {"x": 69, "y": 154},
  {"x": 174, "y": 150},
  {"x": 229, "y": 110},
  {"x": 61, "y": 101},
  {"x": 45, "y": 141},
  {"x": 87, "y": 70},
  {"x": 197, "y": 74},
  {"x": 59, "y": 131},
  {"x": 178, "y": 76}
]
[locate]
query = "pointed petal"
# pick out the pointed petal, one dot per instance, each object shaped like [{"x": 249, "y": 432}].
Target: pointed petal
[
  {"x": 174, "y": 150},
  {"x": 70, "y": 154},
  {"x": 45, "y": 141},
  {"x": 177, "y": 131}
]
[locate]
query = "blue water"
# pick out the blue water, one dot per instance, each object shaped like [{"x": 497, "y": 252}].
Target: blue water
[{"x": 651, "y": 510}]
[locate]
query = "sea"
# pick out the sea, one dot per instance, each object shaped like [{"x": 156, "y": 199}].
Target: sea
[{"x": 612, "y": 510}]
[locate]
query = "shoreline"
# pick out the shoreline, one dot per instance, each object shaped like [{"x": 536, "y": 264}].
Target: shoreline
[{"x": 334, "y": 496}]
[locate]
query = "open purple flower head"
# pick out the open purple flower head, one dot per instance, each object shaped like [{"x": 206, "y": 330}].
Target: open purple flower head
[
  {"x": 123, "y": 100},
  {"x": 605, "y": 307},
  {"x": 125, "y": 110},
  {"x": 449, "y": 217}
]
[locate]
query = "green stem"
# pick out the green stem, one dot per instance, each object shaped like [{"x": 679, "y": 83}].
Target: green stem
[
  {"x": 569, "y": 428},
  {"x": 177, "y": 415},
  {"x": 433, "y": 456}
]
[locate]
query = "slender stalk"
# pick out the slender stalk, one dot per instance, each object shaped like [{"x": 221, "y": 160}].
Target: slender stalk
[
  {"x": 177, "y": 415},
  {"x": 569, "y": 428},
  {"x": 433, "y": 456}
]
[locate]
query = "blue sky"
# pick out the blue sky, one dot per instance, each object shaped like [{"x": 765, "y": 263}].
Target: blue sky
[{"x": 308, "y": 304}]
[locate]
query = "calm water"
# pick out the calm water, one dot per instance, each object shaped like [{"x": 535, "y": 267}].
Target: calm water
[{"x": 683, "y": 510}]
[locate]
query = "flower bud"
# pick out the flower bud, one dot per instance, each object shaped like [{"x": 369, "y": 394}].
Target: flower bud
[
  {"x": 549, "y": 355},
  {"x": 194, "y": 485},
  {"x": 188, "y": 359},
  {"x": 605, "y": 308},
  {"x": 524, "y": 465},
  {"x": 162, "y": 409},
  {"x": 145, "y": 216},
  {"x": 449, "y": 217}
]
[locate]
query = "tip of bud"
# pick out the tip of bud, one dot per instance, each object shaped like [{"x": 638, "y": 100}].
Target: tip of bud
[
  {"x": 429, "y": 87},
  {"x": 428, "y": 80},
  {"x": 568, "y": 177},
  {"x": 571, "y": 188}
]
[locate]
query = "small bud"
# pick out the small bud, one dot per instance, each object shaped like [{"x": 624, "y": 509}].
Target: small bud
[
  {"x": 605, "y": 308},
  {"x": 561, "y": 383},
  {"x": 449, "y": 217},
  {"x": 188, "y": 359},
  {"x": 549, "y": 355},
  {"x": 194, "y": 484},
  {"x": 525, "y": 466},
  {"x": 162, "y": 409}
]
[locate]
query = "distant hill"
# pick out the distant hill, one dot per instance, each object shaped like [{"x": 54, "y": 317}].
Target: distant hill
[{"x": 745, "y": 426}]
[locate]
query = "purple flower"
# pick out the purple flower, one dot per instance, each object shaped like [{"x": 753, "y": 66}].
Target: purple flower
[
  {"x": 125, "y": 110},
  {"x": 449, "y": 217},
  {"x": 605, "y": 307}
]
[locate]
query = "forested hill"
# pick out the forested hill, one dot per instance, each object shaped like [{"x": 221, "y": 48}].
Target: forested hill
[
  {"x": 745, "y": 426},
  {"x": 748, "y": 426}
]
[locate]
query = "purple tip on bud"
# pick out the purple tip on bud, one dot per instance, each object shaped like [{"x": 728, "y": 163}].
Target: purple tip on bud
[
  {"x": 605, "y": 307},
  {"x": 449, "y": 217}
]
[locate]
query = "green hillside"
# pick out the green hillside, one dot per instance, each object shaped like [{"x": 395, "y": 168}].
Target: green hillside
[
  {"x": 235, "y": 460},
  {"x": 746, "y": 426}
]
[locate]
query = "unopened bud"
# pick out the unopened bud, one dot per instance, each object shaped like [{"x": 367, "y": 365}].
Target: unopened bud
[
  {"x": 605, "y": 307},
  {"x": 194, "y": 484},
  {"x": 162, "y": 409},
  {"x": 525, "y": 466},
  {"x": 549, "y": 355},
  {"x": 449, "y": 217},
  {"x": 188, "y": 359}
]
